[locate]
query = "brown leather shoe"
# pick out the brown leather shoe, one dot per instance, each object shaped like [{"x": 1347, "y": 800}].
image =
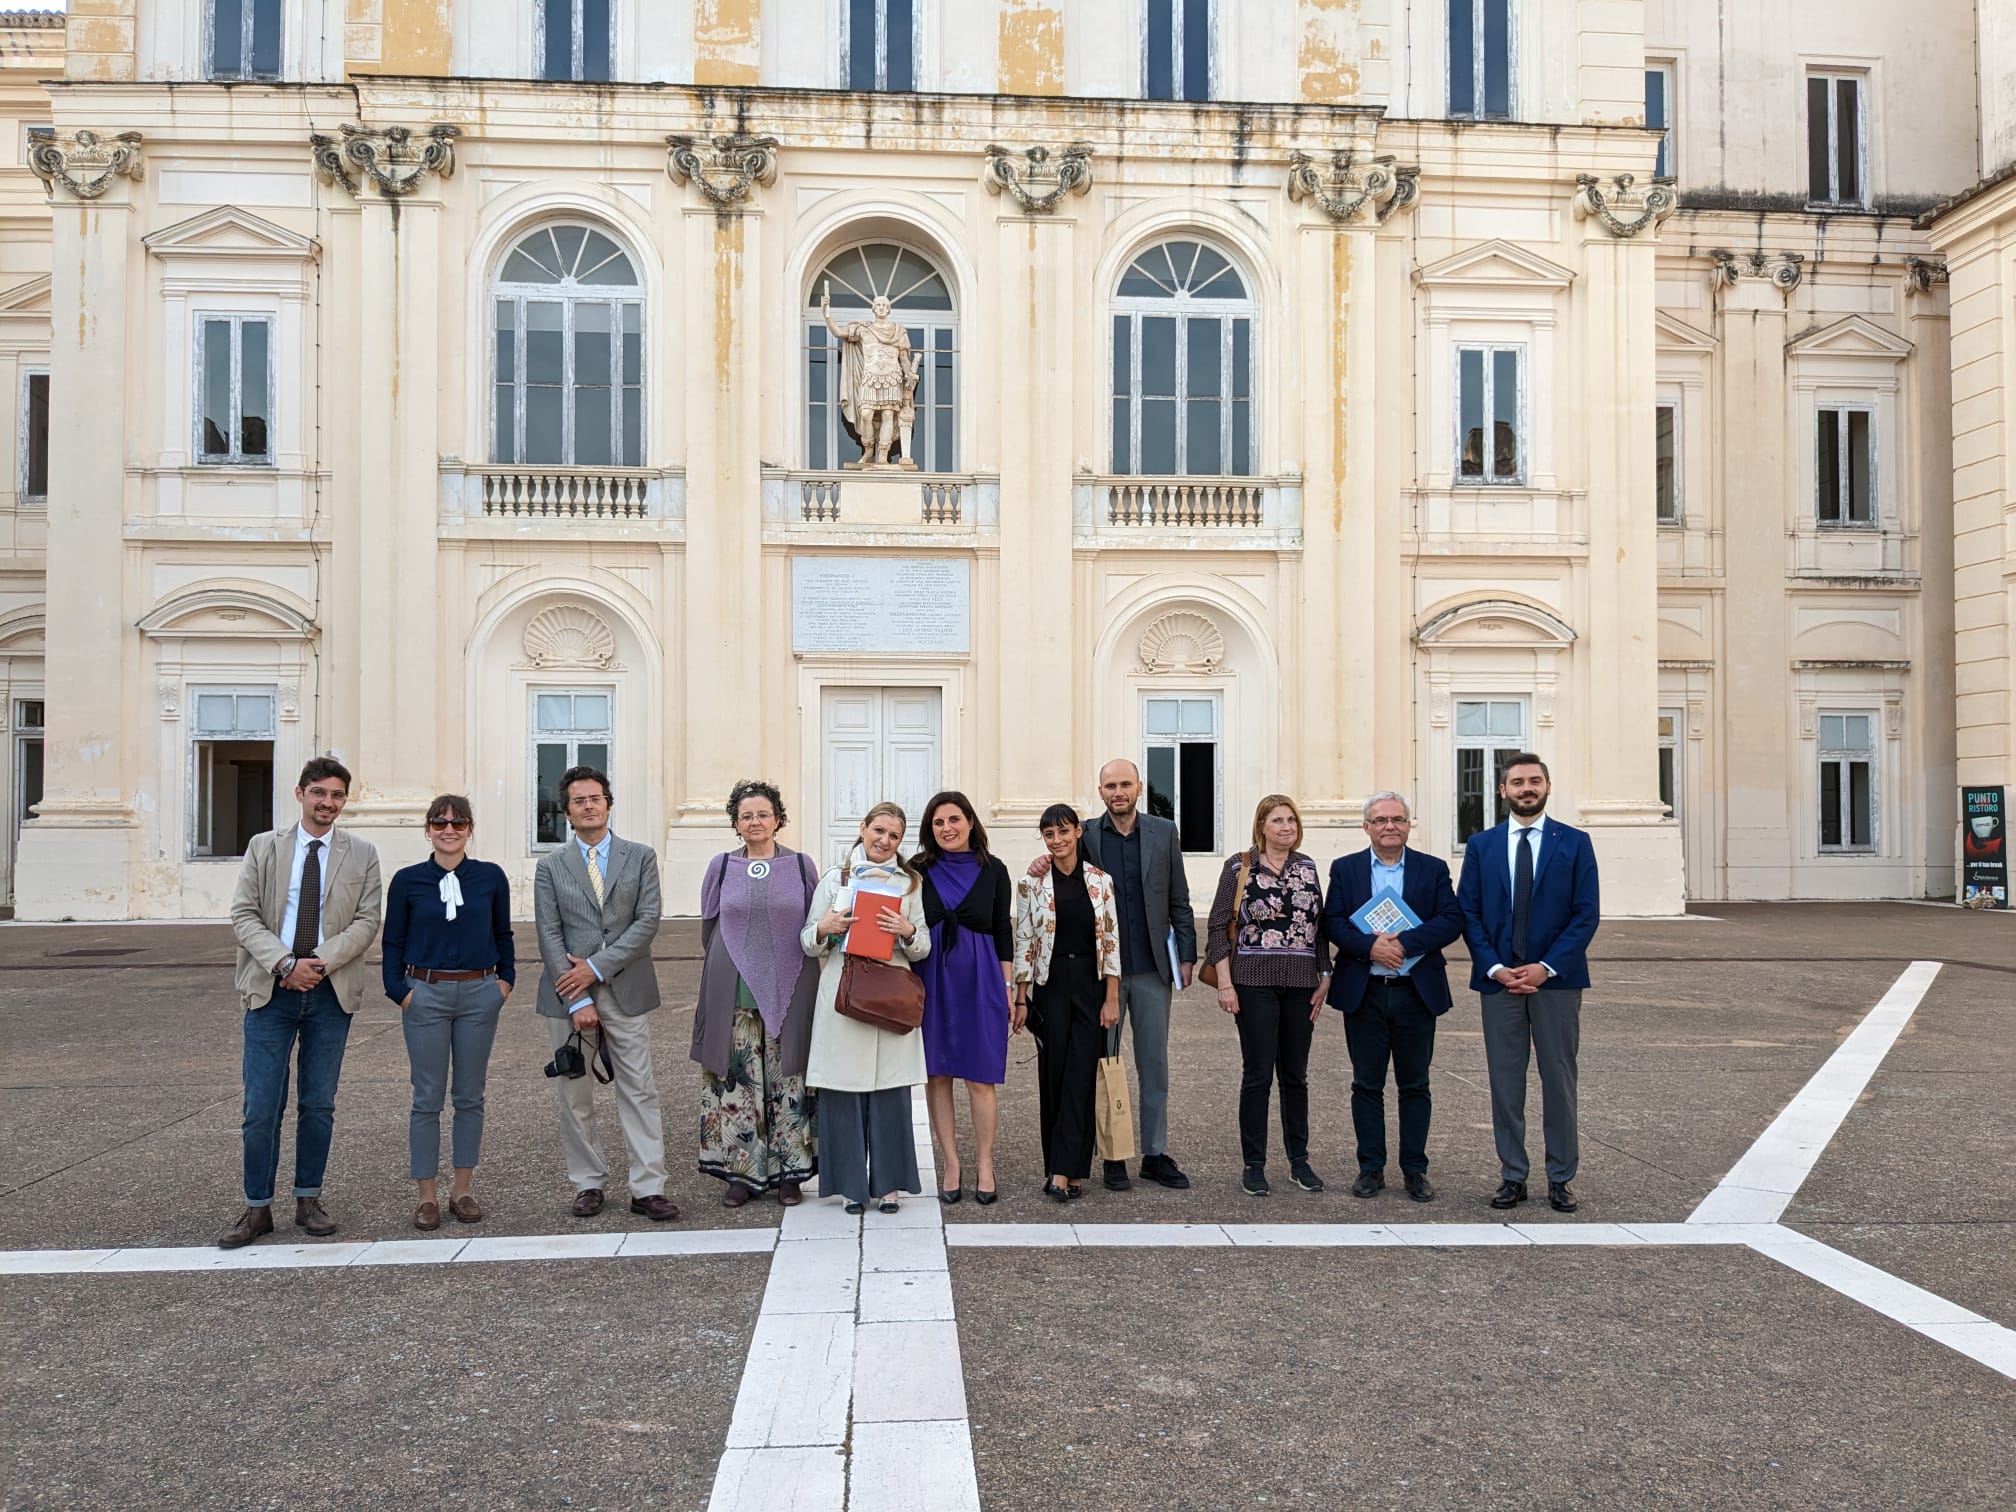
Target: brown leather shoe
[
  {"x": 427, "y": 1216},
  {"x": 789, "y": 1194},
  {"x": 657, "y": 1209},
  {"x": 465, "y": 1210},
  {"x": 588, "y": 1202},
  {"x": 736, "y": 1195},
  {"x": 257, "y": 1221},
  {"x": 311, "y": 1217}
]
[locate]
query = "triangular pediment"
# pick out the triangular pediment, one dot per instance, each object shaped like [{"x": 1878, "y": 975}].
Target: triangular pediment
[
  {"x": 1496, "y": 264},
  {"x": 30, "y": 298},
  {"x": 1850, "y": 337},
  {"x": 228, "y": 231},
  {"x": 1676, "y": 335}
]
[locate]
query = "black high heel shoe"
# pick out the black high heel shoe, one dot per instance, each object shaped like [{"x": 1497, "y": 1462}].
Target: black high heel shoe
[
  {"x": 951, "y": 1195},
  {"x": 985, "y": 1199}
]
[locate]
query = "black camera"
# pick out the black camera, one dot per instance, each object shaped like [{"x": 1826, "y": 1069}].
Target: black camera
[{"x": 568, "y": 1060}]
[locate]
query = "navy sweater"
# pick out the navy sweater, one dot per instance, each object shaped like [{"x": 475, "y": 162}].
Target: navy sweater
[{"x": 418, "y": 931}]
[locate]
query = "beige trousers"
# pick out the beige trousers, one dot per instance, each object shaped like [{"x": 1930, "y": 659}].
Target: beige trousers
[{"x": 636, "y": 1091}]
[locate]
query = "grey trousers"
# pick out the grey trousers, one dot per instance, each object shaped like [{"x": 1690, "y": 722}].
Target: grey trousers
[
  {"x": 1545, "y": 1026},
  {"x": 449, "y": 1027},
  {"x": 867, "y": 1145},
  {"x": 1144, "y": 999}
]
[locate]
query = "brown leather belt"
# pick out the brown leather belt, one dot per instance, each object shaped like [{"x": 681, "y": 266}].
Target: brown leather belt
[{"x": 422, "y": 974}]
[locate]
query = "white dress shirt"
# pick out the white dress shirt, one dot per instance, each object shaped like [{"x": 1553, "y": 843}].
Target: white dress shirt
[
  {"x": 288, "y": 919},
  {"x": 1513, "y": 830}
]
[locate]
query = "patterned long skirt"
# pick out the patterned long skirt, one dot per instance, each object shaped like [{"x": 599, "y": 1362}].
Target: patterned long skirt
[{"x": 756, "y": 1124}]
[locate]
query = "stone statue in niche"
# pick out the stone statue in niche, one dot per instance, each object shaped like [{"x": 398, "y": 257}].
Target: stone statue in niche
[{"x": 878, "y": 383}]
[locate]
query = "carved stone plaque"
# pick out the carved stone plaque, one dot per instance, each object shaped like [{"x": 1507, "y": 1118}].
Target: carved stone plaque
[{"x": 880, "y": 604}]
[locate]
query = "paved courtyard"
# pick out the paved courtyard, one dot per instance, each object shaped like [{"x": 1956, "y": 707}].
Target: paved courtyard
[{"x": 1791, "y": 1284}]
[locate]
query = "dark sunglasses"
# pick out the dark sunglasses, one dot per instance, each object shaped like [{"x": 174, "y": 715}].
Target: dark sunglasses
[{"x": 449, "y": 824}]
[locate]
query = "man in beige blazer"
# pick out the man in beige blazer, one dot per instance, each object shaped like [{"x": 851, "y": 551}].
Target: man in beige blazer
[{"x": 306, "y": 909}]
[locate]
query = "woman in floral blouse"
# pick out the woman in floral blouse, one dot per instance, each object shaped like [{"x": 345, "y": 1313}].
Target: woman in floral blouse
[
  {"x": 1067, "y": 985},
  {"x": 1272, "y": 961}
]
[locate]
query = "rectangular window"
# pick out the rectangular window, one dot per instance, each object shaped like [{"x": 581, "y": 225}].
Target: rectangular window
[
  {"x": 1848, "y": 782},
  {"x": 574, "y": 40},
  {"x": 881, "y": 44},
  {"x": 234, "y": 376},
  {"x": 33, "y": 484},
  {"x": 1670, "y": 724},
  {"x": 1845, "y": 457},
  {"x": 27, "y": 757},
  {"x": 569, "y": 382},
  {"x": 230, "y": 769},
  {"x": 244, "y": 39},
  {"x": 1666, "y": 466},
  {"x": 1834, "y": 140},
  {"x": 1490, "y": 447},
  {"x": 1659, "y": 113},
  {"x": 1489, "y": 733},
  {"x": 570, "y": 727},
  {"x": 1480, "y": 59},
  {"x": 1177, "y": 50},
  {"x": 1180, "y": 747}
]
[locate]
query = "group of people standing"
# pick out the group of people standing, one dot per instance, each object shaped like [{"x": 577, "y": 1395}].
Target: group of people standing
[{"x": 1096, "y": 935}]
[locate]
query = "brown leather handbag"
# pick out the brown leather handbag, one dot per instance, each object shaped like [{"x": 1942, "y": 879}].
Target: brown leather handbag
[
  {"x": 878, "y": 993},
  {"x": 1208, "y": 972}
]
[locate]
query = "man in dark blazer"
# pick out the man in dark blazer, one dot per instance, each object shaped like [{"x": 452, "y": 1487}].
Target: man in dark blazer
[
  {"x": 1391, "y": 987},
  {"x": 1530, "y": 909},
  {"x": 1144, "y": 857}
]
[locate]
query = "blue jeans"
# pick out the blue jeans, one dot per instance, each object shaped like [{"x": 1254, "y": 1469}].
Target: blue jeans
[{"x": 318, "y": 1021}]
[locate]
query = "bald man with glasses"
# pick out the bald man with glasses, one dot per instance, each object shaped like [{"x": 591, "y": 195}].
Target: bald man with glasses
[{"x": 1391, "y": 986}]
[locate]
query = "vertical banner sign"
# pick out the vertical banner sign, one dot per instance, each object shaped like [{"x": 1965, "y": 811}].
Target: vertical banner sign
[{"x": 1984, "y": 848}]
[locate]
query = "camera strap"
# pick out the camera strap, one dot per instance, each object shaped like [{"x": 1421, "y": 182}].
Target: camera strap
[{"x": 599, "y": 1063}]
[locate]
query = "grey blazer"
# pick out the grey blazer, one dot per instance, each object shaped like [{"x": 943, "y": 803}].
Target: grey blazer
[
  {"x": 353, "y": 902},
  {"x": 616, "y": 940},
  {"x": 1164, "y": 884}
]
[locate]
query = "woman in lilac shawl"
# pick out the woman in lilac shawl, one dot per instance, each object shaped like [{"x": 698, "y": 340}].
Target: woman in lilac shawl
[{"x": 753, "y": 1025}]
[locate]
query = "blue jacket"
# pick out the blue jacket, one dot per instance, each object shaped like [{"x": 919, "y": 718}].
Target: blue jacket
[
  {"x": 1425, "y": 889},
  {"x": 1563, "y": 915}
]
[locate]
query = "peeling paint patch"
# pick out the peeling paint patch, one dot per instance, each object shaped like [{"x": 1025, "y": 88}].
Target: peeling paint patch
[
  {"x": 1327, "y": 57},
  {"x": 1031, "y": 48},
  {"x": 728, "y": 42}
]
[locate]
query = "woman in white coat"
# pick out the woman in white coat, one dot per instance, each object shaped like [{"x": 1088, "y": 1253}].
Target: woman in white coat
[{"x": 864, "y": 1074}]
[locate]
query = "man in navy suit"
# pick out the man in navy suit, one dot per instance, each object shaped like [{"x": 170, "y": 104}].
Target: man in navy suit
[
  {"x": 1530, "y": 909},
  {"x": 1391, "y": 987}
]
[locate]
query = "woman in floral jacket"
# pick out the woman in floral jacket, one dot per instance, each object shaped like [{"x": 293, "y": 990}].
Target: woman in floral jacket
[
  {"x": 1272, "y": 963},
  {"x": 1067, "y": 986}
]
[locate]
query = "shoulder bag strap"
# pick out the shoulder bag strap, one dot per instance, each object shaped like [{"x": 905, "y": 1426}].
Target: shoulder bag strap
[{"x": 1239, "y": 899}]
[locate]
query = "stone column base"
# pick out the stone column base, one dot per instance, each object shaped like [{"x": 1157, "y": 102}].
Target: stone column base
[{"x": 76, "y": 862}]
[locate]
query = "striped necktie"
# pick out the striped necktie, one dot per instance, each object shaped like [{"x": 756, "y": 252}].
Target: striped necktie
[{"x": 595, "y": 875}]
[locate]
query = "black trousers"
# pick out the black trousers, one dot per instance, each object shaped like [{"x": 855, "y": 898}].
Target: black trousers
[
  {"x": 1392, "y": 1024},
  {"x": 1274, "y": 1035},
  {"x": 1064, "y": 1018}
]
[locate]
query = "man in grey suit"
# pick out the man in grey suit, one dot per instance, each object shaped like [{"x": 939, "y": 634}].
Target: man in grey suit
[
  {"x": 1144, "y": 857},
  {"x": 305, "y": 910},
  {"x": 596, "y": 911}
]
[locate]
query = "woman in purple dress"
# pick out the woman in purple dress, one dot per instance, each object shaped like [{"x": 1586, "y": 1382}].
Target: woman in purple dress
[{"x": 968, "y": 902}]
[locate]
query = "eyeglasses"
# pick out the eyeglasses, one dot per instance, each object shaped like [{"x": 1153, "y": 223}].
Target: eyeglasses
[
  {"x": 1387, "y": 823},
  {"x": 458, "y": 825}
]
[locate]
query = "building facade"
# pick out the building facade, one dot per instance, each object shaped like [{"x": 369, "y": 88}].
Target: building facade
[{"x": 1309, "y": 395}]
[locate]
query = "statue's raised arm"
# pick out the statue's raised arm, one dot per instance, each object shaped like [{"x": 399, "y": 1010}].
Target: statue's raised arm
[{"x": 826, "y": 309}]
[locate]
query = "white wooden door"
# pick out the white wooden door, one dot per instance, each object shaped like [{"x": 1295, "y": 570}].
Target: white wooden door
[{"x": 876, "y": 744}]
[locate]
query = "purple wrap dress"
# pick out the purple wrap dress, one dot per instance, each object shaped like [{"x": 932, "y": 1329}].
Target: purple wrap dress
[{"x": 968, "y": 903}]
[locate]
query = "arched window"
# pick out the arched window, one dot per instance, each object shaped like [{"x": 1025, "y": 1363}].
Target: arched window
[
  {"x": 569, "y": 356},
  {"x": 1182, "y": 365},
  {"x": 922, "y": 301}
]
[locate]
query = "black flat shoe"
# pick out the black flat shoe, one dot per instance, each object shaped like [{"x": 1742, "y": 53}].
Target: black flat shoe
[
  {"x": 985, "y": 1199},
  {"x": 1509, "y": 1194},
  {"x": 1560, "y": 1197},
  {"x": 950, "y": 1195},
  {"x": 1057, "y": 1193},
  {"x": 890, "y": 1205},
  {"x": 1419, "y": 1189},
  {"x": 1368, "y": 1184},
  {"x": 856, "y": 1209},
  {"x": 1073, "y": 1191}
]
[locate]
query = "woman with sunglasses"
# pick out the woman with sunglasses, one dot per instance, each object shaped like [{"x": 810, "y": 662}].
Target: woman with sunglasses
[{"x": 449, "y": 966}]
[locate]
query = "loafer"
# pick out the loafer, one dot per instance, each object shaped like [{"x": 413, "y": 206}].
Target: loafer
[
  {"x": 891, "y": 1205},
  {"x": 1254, "y": 1182},
  {"x": 856, "y": 1209},
  {"x": 465, "y": 1210},
  {"x": 1116, "y": 1176},
  {"x": 427, "y": 1216},
  {"x": 1305, "y": 1177},
  {"x": 735, "y": 1196},
  {"x": 1509, "y": 1194},
  {"x": 1368, "y": 1184},
  {"x": 256, "y": 1222},
  {"x": 1418, "y": 1188},
  {"x": 1058, "y": 1193},
  {"x": 1161, "y": 1170},
  {"x": 1560, "y": 1197},
  {"x": 588, "y": 1202},
  {"x": 789, "y": 1194},
  {"x": 657, "y": 1209}
]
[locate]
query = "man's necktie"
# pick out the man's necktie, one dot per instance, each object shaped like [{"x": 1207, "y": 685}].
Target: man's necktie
[
  {"x": 308, "y": 912},
  {"x": 1522, "y": 894},
  {"x": 595, "y": 878}
]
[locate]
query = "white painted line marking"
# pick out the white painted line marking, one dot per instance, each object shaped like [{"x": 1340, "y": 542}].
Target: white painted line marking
[
  {"x": 749, "y": 1241},
  {"x": 1011, "y": 1236},
  {"x": 1164, "y": 1235},
  {"x": 1576, "y": 1233},
  {"x": 1429, "y": 1235},
  {"x": 1761, "y": 1185},
  {"x": 411, "y": 1252},
  {"x": 51, "y": 1262},
  {"x": 542, "y": 1247},
  {"x": 207, "y": 1257}
]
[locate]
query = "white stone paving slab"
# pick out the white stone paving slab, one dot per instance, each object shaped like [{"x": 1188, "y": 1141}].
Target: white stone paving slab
[
  {"x": 203, "y": 1257},
  {"x": 902, "y": 1249},
  {"x": 1311, "y": 1235},
  {"x": 907, "y": 1372},
  {"x": 916, "y": 1212},
  {"x": 699, "y": 1242},
  {"x": 1466, "y": 1235},
  {"x": 1701, "y": 1233},
  {"x": 780, "y": 1480},
  {"x": 51, "y": 1262},
  {"x": 913, "y": 1467},
  {"x": 411, "y": 1252},
  {"x": 813, "y": 1276},
  {"x": 1577, "y": 1233},
  {"x": 1156, "y": 1235},
  {"x": 906, "y": 1297},
  {"x": 542, "y": 1247},
  {"x": 795, "y": 1383},
  {"x": 1011, "y": 1236},
  {"x": 826, "y": 1218}
]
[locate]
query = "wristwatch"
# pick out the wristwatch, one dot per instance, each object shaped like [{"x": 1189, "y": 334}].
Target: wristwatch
[{"x": 285, "y": 968}]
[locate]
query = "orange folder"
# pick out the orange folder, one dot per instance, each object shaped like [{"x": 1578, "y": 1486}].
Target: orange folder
[{"x": 869, "y": 934}]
